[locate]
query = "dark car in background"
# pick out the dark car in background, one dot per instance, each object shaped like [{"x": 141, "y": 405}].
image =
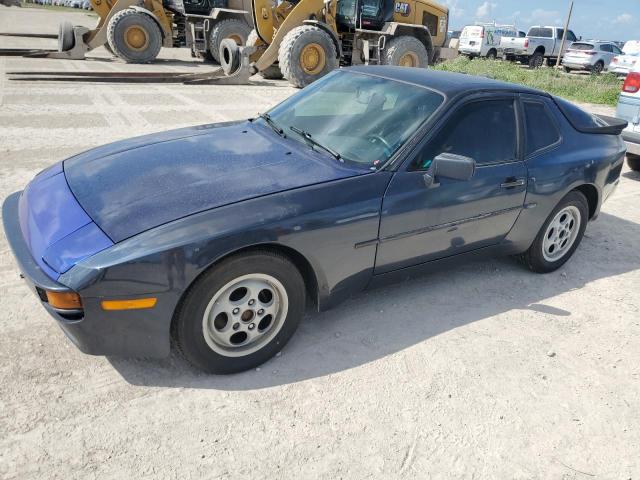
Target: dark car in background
[{"x": 217, "y": 235}]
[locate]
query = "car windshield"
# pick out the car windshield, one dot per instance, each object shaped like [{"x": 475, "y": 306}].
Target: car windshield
[{"x": 356, "y": 117}]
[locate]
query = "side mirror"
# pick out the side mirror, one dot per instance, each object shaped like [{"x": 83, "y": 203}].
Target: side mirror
[{"x": 450, "y": 165}]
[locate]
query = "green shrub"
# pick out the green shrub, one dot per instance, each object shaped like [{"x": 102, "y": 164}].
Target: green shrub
[{"x": 602, "y": 89}]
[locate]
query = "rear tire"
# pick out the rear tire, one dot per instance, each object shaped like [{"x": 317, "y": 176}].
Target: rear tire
[
  {"x": 232, "y": 28},
  {"x": 560, "y": 235},
  {"x": 306, "y": 54},
  {"x": 597, "y": 68},
  {"x": 633, "y": 161},
  {"x": 536, "y": 60},
  {"x": 405, "y": 51},
  {"x": 134, "y": 36},
  {"x": 492, "y": 54},
  {"x": 231, "y": 297},
  {"x": 566, "y": 69}
]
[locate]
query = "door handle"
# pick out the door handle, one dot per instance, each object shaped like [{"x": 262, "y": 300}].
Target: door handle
[{"x": 512, "y": 183}]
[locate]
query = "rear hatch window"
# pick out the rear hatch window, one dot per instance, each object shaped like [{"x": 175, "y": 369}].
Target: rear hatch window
[{"x": 581, "y": 46}]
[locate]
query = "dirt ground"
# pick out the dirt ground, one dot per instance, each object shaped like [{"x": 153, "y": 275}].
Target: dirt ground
[{"x": 483, "y": 371}]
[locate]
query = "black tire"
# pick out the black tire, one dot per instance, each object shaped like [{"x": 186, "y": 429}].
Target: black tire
[
  {"x": 398, "y": 47},
  {"x": 492, "y": 54},
  {"x": 188, "y": 330},
  {"x": 566, "y": 69},
  {"x": 536, "y": 60},
  {"x": 534, "y": 257},
  {"x": 633, "y": 161},
  {"x": 232, "y": 28},
  {"x": 66, "y": 39},
  {"x": 291, "y": 49},
  {"x": 271, "y": 73},
  {"x": 123, "y": 21},
  {"x": 597, "y": 68}
]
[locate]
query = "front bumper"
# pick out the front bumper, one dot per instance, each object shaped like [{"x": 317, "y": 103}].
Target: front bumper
[{"x": 134, "y": 333}]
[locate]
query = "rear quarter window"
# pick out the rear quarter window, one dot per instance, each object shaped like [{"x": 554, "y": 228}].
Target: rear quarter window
[{"x": 578, "y": 118}]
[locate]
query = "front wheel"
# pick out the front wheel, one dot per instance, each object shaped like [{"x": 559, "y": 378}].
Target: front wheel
[
  {"x": 134, "y": 36},
  {"x": 560, "y": 235},
  {"x": 232, "y": 28},
  {"x": 306, "y": 54},
  {"x": 240, "y": 313}
]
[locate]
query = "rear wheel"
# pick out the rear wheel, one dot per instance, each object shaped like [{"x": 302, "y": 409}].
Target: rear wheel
[
  {"x": 634, "y": 162},
  {"x": 536, "y": 60},
  {"x": 405, "y": 51},
  {"x": 566, "y": 69},
  {"x": 492, "y": 54},
  {"x": 134, "y": 36},
  {"x": 597, "y": 68},
  {"x": 560, "y": 235},
  {"x": 240, "y": 313},
  {"x": 306, "y": 54},
  {"x": 231, "y": 28}
]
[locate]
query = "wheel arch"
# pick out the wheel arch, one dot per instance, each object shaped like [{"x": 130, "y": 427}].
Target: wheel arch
[
  {"x": 593, "y": 197},
  {"x": 301, "y": 262},
  {"x": 540, "y": 49}
]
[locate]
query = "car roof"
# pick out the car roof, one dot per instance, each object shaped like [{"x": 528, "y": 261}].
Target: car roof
[{"x": 450, "y": 83}]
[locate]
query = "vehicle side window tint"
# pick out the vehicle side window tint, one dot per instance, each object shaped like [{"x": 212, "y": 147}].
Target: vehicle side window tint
[
  {"x": 605, "y": 48},
  {"x": 616, "y": 50},
  {"x": 560, "y": 33},
  {"x": 540, "y": 127},
  {"x": 571, "y": 36},
  {"x": 485, "y": 131}
]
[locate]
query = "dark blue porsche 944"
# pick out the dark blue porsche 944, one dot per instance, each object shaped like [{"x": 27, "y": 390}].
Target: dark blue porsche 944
[{"x": 217, "y": 236}]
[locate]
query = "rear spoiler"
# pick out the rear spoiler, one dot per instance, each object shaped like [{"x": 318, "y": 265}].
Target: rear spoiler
[{"x": 611, "y": 126}]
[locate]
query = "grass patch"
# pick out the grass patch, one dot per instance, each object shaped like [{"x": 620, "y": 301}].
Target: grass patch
[{"x": 601, "y": 89}]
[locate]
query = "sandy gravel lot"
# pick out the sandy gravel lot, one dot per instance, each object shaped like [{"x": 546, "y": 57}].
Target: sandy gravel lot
[{"x": 483, "y": 371}]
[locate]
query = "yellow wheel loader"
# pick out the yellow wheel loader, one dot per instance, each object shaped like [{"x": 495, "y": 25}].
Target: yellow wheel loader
[
  {"x": 135, "y": 30},
  {"x": 303, "y": 40}
]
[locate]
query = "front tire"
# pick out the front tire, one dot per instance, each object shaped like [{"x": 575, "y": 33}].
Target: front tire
[
  {"x": 240, "y": 313},
  {"x": 306, "y": 54},
  {"x": 634, "y": 162},
  {"x": 405, "y": 51},
  {"x": 134, "y": 36},
  {"x": 560, "y": 235}
]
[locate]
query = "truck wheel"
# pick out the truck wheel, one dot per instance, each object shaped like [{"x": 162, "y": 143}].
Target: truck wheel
[
  {"x": 559, "y": 236},
  {"x": 240, "y": 313},
  {"x": 405, "y": 51},
  {"x": 566, "y": 69},
  {"x": 536, "y": 60},
  {"x": 633, "y": 161},
  {"x": 232, "y": 28},
  {"x": 134, "y": 36},
  {"x": 66, "y": 39},
  {"x": 306, "y": 54},
  {"x": 271, "y": 73},
  {"x": 492, "y": 54}
]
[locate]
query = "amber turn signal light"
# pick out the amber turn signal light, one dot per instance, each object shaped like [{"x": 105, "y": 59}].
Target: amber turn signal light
[
  {"x": 138, "y": 303},
  {"x": 64, "y": 300}
]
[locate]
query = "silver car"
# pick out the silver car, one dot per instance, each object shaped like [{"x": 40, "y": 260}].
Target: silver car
[{"x": 594, "y": 56}]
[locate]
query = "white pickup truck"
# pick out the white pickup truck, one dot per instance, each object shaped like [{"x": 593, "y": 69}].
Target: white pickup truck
[{"x": 540, "y": 43}]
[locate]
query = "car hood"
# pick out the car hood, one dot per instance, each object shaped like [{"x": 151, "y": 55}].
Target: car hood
[{"x": 131, "y": 186}]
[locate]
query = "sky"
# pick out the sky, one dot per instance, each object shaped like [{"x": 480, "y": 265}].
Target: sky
[{"x": 591, "y": 19}]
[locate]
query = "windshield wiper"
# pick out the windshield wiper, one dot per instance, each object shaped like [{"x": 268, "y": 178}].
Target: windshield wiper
[
  {"x": 272, "y": 123},
  {"x": 313, "y": 142}
]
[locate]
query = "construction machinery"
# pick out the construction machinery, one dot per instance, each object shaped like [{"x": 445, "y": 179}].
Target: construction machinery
[
  {"x": 135, "y": 30},
  {"x": 300, "y": 40}
]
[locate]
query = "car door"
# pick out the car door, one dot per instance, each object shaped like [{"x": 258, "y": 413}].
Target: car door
[{"x": 420, "y": 223}]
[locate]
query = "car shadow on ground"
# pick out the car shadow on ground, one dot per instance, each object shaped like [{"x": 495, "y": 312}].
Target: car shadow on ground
[{"x": 387, "y": 320}]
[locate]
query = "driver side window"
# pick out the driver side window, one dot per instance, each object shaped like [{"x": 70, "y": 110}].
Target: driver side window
[{"x": 483, "y": 130}]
